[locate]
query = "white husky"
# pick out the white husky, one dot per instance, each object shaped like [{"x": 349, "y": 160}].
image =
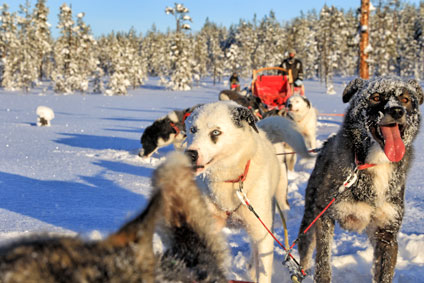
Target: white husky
[
  {"x": 301, "y": 111},
  {"x": 231, "y": 150}
]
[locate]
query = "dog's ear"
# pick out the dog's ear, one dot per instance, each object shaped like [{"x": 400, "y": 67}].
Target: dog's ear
[
  {"x": 240, "y": 114},
  {"x": 418, "y": 90},
  {"x": 307, "y": 101},
  {"x": 352, "y": 88}
]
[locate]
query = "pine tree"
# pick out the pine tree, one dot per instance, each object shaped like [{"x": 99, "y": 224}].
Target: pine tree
[
  {"x": 21, "y": 71},
  {"x": 8, "y": 45},
  {"x": 42, "y": 39},
  {"x": 182, "y": 74},
  {"x": 119, "y": 79},
  {"x": 85, "y": 59},
  {"x": 65, "y": 70}
]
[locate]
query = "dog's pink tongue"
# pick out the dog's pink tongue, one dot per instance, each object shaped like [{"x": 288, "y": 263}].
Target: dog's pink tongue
[{"x": 393, "y": 147}]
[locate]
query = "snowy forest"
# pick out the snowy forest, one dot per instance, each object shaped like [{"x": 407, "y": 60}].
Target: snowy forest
[{"x": 327, "y": 41}]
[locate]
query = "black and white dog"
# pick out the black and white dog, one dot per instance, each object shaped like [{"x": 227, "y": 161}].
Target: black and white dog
[
  {"x": 165, "y": 131},
  {"x": 375, "y": 145}
]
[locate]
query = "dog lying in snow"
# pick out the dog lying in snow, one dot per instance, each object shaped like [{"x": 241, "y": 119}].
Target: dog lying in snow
[
  {"x": 164, "y": 131},
  {"x": 231, "y": 150},
  {"x": 379, "y": 128},
  {"x": 195, "y": 253},
  {"x": 249, "y": 101},
  {"x": 44, "y": 115}
]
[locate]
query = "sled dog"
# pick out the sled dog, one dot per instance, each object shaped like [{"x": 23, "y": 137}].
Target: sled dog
[
  {"x": 233, "y": 152},
  {"x": 195, "y": 252},
  {"x": 164, "y": 131},
  {"x": 300, "y": 110},
  {"x": 380, "y": 124},
  {"x": 252, "y": 102}
]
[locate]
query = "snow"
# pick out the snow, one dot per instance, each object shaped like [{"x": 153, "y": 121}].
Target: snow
[{"x": 82, "y": 175}]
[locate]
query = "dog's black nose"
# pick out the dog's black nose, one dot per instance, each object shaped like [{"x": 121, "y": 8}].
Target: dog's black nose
[
  {"x": 193, "y": 154},
  {"x": 396, "y": 112}
]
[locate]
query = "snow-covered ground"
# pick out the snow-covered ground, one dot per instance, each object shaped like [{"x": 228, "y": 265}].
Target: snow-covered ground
[{"x": 82, "y": 174}]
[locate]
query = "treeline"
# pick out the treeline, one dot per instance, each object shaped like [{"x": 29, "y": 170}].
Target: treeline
[{"x": 326, "y": 41}]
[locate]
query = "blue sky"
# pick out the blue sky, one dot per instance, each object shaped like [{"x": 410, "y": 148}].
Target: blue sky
[{"x": 105, "y": 16}]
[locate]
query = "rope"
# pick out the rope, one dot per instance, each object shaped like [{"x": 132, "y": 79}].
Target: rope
[
  {"x": 295, "y": 268},
  {"x": 315, "y": 150},
  {"x": 350, "y": 180},
  {"x": 330, "y": 114}
]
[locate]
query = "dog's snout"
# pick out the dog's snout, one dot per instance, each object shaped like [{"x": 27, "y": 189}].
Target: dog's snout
[
  {"x": 193, "y": 155},
  {"x": 397, "y": 112}
]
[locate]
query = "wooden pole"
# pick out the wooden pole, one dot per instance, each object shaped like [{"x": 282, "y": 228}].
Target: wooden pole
[{"x": 363, "y": 64}]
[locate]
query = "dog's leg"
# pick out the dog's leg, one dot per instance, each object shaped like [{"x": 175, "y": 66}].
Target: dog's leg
[
  {"x": 324, "y": 239},
  {"x": 307, "y": 241},
  {"x": 262, "y": 242},
  {"x": 384, "y": 241}
]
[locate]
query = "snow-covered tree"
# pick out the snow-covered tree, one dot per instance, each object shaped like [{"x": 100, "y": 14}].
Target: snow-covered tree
[
  {"x": 65, "y": 75},
  {"x": 331, "y": 38},
  {"x": 85, "y": 58},
  {"x": 42, "y": 40},
  {"x": 182, "y": 74},
  {"x": 8, "y": 45},
  {"x": 200, "y": 56},
  {"x": 21, "y": 69}
]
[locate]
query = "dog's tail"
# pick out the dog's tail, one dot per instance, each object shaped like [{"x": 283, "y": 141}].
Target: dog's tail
[{"x": 280, "y": 129}]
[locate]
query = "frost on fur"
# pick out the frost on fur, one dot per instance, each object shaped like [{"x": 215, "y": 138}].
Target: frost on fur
[{"x": 44, "y": 116}]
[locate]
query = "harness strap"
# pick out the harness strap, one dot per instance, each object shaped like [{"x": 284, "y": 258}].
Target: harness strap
[
  {"x": 362, "y": 166},
  {"x": 242, "y": 177},
  {"x": 185, "y": 116},
  {"x": 175, "y": 128}
]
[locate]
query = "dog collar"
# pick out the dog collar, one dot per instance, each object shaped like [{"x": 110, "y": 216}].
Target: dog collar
[
  {"x": 362, "y": 166},
  {"x": 175, "y": 128},
  {"x": 242, "y": 177}
]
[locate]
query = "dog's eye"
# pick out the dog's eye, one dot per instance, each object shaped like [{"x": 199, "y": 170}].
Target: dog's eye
[
  {"x": 215, "y": 133},
  {"x": 376, "y": 98},
  {"x": 193, "y": 130},
  {"x": 404, "y": 100}
]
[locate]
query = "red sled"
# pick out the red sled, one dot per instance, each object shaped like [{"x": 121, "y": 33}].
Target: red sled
[{"x": 273, "y": 90}]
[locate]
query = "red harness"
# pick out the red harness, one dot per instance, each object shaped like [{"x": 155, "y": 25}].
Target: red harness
[
  {"x": 177, "y": 130},
  {"x": 242, "y": 177}
]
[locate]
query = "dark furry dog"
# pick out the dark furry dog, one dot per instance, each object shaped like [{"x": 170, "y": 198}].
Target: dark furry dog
[
  {"x": 164, "y": 131},
  {"x": 251, "y": 102},
  {"x": 195, "y": 250},
  {"x": 380, "y": 125}
]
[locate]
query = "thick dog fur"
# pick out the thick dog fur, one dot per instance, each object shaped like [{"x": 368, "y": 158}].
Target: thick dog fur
[
  {"x": 375, "y": 203},
  {"x": 164, "y": 131},
  {"x": 44, "y": 115},
  {"x": 222, "y": 137},
  {"x": 195, "y": 251},
  {"x": 252, "y": 102}
]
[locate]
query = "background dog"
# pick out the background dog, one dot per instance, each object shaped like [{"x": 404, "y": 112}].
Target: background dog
[
  {"x": 195, "y": 251},
  {"x": 228, "y": 148},
  {"x": 300, "y": 110},
  {"x": 253, "y": 103},
  {"x": 44, "y": 115},
  {"x": 164, "y": 131},
  {"x": 380, "y": 125}
]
